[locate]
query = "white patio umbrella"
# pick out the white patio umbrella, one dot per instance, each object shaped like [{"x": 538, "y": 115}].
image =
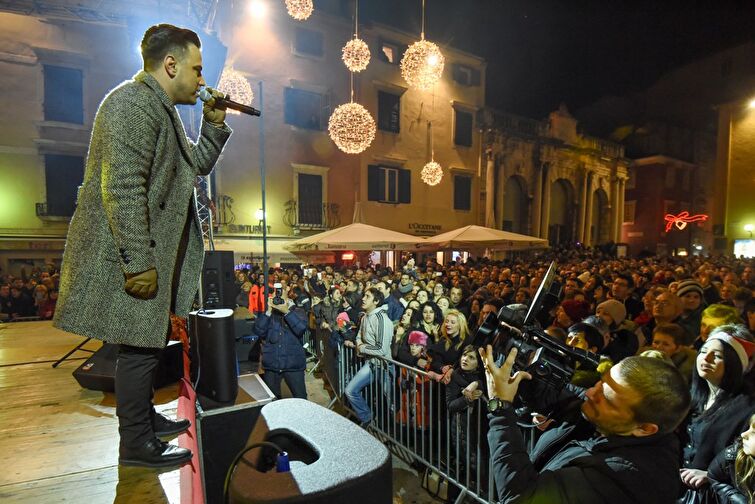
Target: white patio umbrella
[
  {"x": 477, "y": 237},
  {"x": 355, "y": 236}
]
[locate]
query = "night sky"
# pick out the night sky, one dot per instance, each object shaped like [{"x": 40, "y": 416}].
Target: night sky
[{"x": 544, "y": 52}]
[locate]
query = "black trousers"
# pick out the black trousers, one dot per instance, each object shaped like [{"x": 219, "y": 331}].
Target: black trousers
[
  {"x": 134, "y": 390},
  {"x": 294, "y": 380}
]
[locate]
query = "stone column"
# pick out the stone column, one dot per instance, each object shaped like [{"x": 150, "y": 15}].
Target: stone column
[
  {"x": 620, "y": 210},
  {"x": 614, "y": 208},
  {"x": 582, "y": 210},
  {"x": 588, "y": 212},
  {"x": 490, "y": 191},
  {"x": 537, "y": 201},
  {"x": 546, "y": 211}
]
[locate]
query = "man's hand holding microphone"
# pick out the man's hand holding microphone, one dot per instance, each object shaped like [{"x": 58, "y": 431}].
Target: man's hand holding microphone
[{"x": 213, "y": 109}]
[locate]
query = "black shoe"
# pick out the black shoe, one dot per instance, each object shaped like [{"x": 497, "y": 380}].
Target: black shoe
[
  {"x": 164, "y": 426},
  {"x": 154, "y": 453}
]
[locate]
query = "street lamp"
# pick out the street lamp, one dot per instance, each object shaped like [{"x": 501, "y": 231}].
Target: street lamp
[
  {"x": 257, "y": 9},
  {"x": 749, "y": 228}
]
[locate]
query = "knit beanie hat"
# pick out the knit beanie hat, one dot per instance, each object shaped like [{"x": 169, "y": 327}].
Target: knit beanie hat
[
  {"x": 584, "y": 277},
  {"x": 417, "y": 338},
  {"x": 742, "y": 347},
  {"x": 576, "y": 310},
  {"x": 615, "y": 309},
  {"x": 687, "y": 286}
]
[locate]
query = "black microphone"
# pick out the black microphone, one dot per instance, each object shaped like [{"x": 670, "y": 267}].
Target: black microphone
[{"x": 206, "y": 96}]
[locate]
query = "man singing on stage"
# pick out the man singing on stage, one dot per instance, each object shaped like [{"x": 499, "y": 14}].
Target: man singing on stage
[{"x": 134, "y": 250}]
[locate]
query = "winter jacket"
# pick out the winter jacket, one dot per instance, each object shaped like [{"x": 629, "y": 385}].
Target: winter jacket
[
  {"x": 705, "y": 436},
  {"x": 281, "y": 336},
  {"x": 257, "y": 299},
  {"x": 691, "y": 322},
  {"x": 583, "y": 470},
  {"x": 685, "y": 360},
  {"x": 460, "y": 379},
  {"x": 376, "y": 333},
  {"x": 136, "y": 210},
  {"x": 723, "y": 481}
]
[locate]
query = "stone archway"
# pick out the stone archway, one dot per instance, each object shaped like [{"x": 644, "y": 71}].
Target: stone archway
[
  {"x": 515, "y": 202},
  {"x": 601, "y": 218},
  {"x": 561, "y": 217}
]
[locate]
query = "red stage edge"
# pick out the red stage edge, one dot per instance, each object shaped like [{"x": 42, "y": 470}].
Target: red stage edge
[{"x": 190, "y": 478}]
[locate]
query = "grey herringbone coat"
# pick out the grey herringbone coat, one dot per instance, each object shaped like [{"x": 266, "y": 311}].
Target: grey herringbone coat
[{"x": 132, "y": 206}]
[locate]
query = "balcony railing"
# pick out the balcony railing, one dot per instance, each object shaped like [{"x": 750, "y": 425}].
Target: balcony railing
[
  {"x": 513, "y": 123},
  {"x": 302, "y": 216}
]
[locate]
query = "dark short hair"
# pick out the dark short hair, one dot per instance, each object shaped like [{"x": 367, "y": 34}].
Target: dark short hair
[
  {"x": 677, "y": 332},
  {"x": 160, "y": 39},
  {"x": 376, "y": 295},
  {"x": 628, "y": 278},
  {"x": 665, "y": 396},
  {"x": 494, "y": 301}
]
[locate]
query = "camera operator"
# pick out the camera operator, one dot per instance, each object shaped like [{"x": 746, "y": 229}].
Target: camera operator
[
  {"x": 281, "y": 328},
  {"x": 626, "y": 451}
]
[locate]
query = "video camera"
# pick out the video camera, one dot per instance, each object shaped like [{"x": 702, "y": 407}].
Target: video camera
[{"x": 550, "y": 362}]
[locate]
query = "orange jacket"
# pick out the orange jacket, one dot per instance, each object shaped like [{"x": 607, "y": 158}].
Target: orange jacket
[{"x": 257, "y": 298}]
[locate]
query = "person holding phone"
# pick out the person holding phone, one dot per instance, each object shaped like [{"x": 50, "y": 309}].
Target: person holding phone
[{"x": 281, "y": 328}]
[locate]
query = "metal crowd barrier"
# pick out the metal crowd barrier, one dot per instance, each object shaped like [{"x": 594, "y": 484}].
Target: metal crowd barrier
[
  {"x": 310, "y": 343},
  {"x": 409, "y": 412}
]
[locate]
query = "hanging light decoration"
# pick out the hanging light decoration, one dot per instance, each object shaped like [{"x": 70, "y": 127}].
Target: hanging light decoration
[
  {"x": 352, "y": 128},
  {"x": 299, "y": 9},
  {"x": 422, "y": 64},
  {"x": 432, "y": 172},
  {"x": 356, "y": 53},
  {"x": 235, "y": 85}
]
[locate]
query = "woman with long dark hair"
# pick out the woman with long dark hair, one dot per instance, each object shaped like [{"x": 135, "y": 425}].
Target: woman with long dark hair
[
  {"x": 428, "y": 319},
  {"x": 720, "y": 406}
]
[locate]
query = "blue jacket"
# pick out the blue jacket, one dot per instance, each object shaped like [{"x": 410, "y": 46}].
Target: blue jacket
[{"x": 281, "y": 336}]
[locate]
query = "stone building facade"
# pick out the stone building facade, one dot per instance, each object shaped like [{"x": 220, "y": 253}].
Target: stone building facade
[{"x": 546, "y": 179}]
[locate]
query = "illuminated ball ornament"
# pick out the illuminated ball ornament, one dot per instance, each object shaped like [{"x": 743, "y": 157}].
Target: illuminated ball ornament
[
  {"x": 422, "y": 64},
  {"x": 432, "y": 173},
  {"x": 299, "y": 9},
  {"x": 356, "y": 55},
  {"x": 352, "y": 128},
  {"x": 234, "y": 84}
]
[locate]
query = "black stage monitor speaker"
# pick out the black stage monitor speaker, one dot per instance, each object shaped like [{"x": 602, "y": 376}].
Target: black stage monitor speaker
[
  {"x": 222, "y": 433},
  {"x": 213, "y": 355},
  {"x": 333, "y": 461},
  {"x": 218, "y": 282},
  {"x": 98, "y": 371}
]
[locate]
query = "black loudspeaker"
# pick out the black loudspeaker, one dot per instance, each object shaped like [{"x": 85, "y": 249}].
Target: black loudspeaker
[
  {"x": 222, "y": 433},
  {"x": 333, "y": 461},
  {"x": 98, "y": 371},
  {"x": 213, "y": 356},
  {"x": 218, "y": 282}
]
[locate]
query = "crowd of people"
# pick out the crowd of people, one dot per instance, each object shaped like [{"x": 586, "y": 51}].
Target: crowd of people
[
  {"x": 30, "y": 296},
  {"x": 677, "y": 333}
]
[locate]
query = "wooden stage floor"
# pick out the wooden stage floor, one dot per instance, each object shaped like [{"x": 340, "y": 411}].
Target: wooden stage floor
[{"x": 58, "y": 441}]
